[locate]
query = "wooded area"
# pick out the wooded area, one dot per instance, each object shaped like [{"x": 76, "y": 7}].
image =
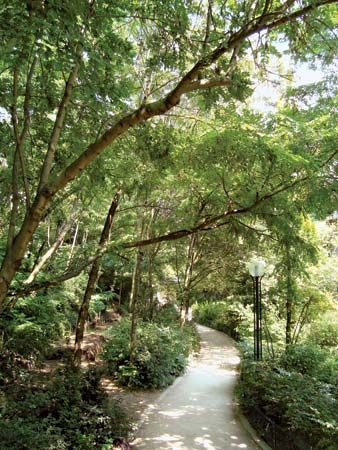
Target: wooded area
[{"x": 136, "y": 175}]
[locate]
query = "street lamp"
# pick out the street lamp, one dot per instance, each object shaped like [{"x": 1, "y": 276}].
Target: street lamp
[{"x": 256, "y": 269}]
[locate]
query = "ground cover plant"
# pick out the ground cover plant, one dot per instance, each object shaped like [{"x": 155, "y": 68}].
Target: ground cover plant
[
  {"x": 68, "y": 412},
  {"x": 161, "y": 353}
]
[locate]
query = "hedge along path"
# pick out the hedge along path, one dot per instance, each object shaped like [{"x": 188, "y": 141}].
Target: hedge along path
[{"x": 199, "y": 411}]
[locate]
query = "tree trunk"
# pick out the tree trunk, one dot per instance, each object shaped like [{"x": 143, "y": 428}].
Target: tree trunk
[
  {"x": 84, "y": 310},
  {"x": 289, "y": 297},
  {"x": 151, "y": 255},
  {"x": 16, "y": 252},
  {"x": 134, "y": 300},
  {"x": 92, "y": 280},
  {"x": 191, "y": 260},
  {"x": 150, "y": 290},
  {"x": 303, "y": 316},
  {"x": 73, "y": 245},
  {"x": 49, "y": 253}
]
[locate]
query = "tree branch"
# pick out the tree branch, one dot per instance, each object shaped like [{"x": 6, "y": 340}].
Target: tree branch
[
  {"x": 12, "y": 261},
  {"x": 49, "y": 253},
  {"x": 188, "y": 83},
  {"x": 207, "y": 84},
  {"x": 58, "y": 125}
]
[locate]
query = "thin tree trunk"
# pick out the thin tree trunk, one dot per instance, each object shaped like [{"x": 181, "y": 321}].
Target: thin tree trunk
[
  {"x": 135, "y": 287},
  {"x": 92, "y": 280},
  {"x": 14, "y": 203},
  {"x": 151, "y": 294},
  {"x": 151, "y": 255},
  {"x": 185, "y": 304},
  {"x": 15, "y": 254},
  {"x": 134, "y": 301},
  {"x": 58, "y": 125},
  {"x": 289, "y": 296},
  {"x": 268, "y": 337},
  {"x": 73, "y": 246},
  {"x": 49, "y": 253},
  {"x": 301, "y": 321}
]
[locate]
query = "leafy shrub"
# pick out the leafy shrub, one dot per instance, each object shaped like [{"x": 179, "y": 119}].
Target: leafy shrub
[
  {"x": 71, "y": 413},
  {"x": 324, "y": 331},
  {"x": 231, "y": 318},
  {"x": 167, "y": 314},
  {"x": 299, "y": 403},
  {"x": 312, "y": 360},
  {"x": 161, "y": 353},
  {"x": 29, "y": 329}
]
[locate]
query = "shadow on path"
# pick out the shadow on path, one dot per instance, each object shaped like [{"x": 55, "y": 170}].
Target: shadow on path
[{"x": 198, "y": 410}]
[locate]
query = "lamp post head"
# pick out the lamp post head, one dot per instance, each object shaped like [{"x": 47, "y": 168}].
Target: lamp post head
[{"x": 256, "y": 267}]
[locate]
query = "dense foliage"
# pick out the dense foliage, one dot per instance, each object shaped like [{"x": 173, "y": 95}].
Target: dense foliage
[
  {"x": 299, "y": 393},
  {"x": 161, "y": 353},
  {"x": 229, "y": 316},
  {"x": 35, "y": 323},
  {"x": 69, "y": 412},
  {"x": 145, "y": 106},
  {"x": 324, "y": 331}
]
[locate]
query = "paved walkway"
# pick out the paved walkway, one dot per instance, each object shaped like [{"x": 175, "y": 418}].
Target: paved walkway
[{"x": 197, "y": 412}]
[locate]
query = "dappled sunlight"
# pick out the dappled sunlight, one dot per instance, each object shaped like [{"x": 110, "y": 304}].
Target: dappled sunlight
[
  {"x": 167, "y": 441},
  {"x": 174, "y": 413},
  {"x": 197, "y": 412},
  {"x": 205, "y": 442}
]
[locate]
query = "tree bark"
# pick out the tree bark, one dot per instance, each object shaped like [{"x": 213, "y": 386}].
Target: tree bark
[
  {"x": 14, "y": 256},
  {"x": 58, "y": 125},
  {"x": 150, "y": 286},
  {"x": 73, "y": 245},
  {"x": 134, "y": 302},
  {"x": 49, "y": 253},
  {"x": 191, "y": 260},
  {"x": 92, "y": 280},
  {"x": 289, "y": 298}
]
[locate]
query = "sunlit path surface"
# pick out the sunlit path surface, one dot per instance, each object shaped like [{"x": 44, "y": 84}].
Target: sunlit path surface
[{"x": 198, "y": 412}]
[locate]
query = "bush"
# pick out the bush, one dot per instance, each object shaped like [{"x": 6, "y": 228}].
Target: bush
[
  {"x": 36, "y": 322},
  {"x": 324, "y": 332},
  {"x": 231, "y": 318},
  {"x": 71, "y": 413},
  {"x": 297, "y": 402},
  {"x": 167, "y": 315},
  {"x": 311, "y": 360},
  {"x": 161, "y": 353}
]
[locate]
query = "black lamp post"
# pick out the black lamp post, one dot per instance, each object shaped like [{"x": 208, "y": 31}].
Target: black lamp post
[{"x": 256, "y": 269}]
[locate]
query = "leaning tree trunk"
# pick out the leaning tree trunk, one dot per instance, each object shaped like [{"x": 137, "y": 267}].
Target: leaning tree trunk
[
  {"x": 18, "y": 247},
  {"x": 49, "y": 253},
  {"x": 92, "y": 280}
]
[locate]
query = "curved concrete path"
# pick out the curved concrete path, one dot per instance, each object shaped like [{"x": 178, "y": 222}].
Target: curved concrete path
[{"x": 198, "y": 411}]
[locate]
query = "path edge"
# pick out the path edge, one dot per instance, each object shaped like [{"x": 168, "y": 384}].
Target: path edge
[{"x": 249, "y": 428}]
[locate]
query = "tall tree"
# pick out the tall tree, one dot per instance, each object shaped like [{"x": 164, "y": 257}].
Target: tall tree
[
  {"x": 66, "y": 68},
  {"x": 92, "y": 279}
]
